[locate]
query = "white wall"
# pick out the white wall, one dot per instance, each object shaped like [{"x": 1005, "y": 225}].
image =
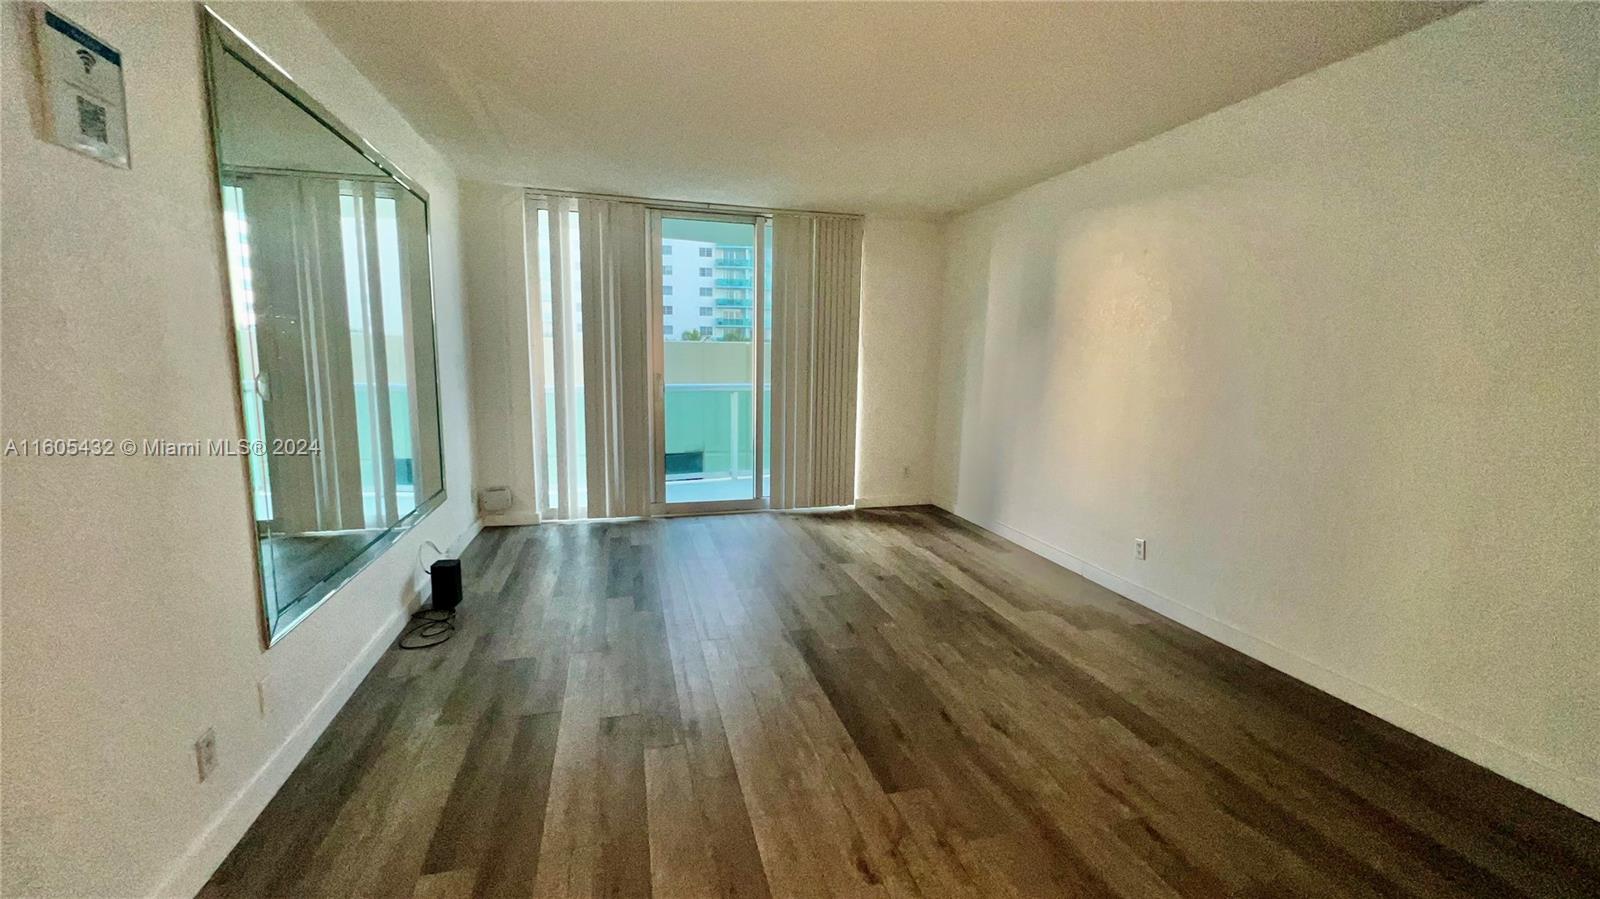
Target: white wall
[
  {"x": 130, "y": 618},
  {"x": 1335, "y": 352},
  {"x": 902, "y": 267}
]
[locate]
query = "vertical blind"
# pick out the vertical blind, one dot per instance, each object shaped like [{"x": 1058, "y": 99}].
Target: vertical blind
[
  {"x": 615, "y": 356},
  {"x": 587, "y": 283},
  {"x": 555, "y": 356},
  {"x": 816, "y": 310}
]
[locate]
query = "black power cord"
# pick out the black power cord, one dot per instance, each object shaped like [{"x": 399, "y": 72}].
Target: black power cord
[{"x": 429, "y": 627}]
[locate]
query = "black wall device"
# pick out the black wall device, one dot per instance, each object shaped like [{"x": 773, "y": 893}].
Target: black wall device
[{"x": 446, "y": 575}]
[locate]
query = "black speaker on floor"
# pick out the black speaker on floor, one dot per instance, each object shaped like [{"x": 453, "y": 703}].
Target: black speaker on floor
[{"x": 446, "y": 575}]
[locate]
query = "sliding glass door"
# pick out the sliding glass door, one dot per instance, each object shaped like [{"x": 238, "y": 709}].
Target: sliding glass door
[{"x": 708, "y": 283}]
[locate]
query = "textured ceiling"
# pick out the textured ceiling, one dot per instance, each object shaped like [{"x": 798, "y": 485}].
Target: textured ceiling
[{"x": 911, "y": 108}]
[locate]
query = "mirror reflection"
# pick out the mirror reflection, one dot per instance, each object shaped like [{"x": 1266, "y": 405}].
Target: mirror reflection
[{"x": 333, "y": 323}]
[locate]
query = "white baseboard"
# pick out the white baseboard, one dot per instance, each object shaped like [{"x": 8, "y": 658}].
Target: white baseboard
[
  {"x": 891, "y": 499},
  {"x": 1536, "y": 774},
  {"x": 214, "y": 843}
]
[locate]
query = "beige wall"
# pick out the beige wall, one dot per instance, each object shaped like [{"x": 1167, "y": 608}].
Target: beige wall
[
  {"x": 129, "y": 598},
  {"x": 1335, "y": 352},
  {"x": 902, "y": 267}
]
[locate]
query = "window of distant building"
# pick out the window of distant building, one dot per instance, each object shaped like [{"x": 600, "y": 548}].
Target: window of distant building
[
  {"x": 667, "y": 330},
  {"x": 705, "y": 251},
  {"x": 705, "y": 291},
  {"x": 666, "y": 310},
  {"x": 666, "y": 270},
  {"x": 705, "y": 310},
  {"x": 705, "y": 273},
  {"x": 666, "y": 291}
]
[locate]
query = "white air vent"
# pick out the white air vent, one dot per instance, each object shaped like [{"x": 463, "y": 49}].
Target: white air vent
[{"x": 494, "y": 500}]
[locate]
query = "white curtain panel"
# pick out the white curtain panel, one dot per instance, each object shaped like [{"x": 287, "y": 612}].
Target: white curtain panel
[
  {"x": 615, "y": 356},
  {"x": 816, "y": 310}
]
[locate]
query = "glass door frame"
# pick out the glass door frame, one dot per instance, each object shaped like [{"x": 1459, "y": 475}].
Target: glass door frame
[{"x": 659, "y": 506}]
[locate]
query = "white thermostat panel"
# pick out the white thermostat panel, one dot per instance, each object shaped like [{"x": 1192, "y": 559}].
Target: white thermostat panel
[{"x": 81, "y": 77}]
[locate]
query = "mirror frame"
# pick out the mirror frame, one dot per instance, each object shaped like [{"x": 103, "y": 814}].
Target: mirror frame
[{"x": 219, "y": 38}]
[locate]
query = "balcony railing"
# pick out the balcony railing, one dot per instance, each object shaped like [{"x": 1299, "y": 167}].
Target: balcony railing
[
  {"x": 732, "y": 282},
  {"x": 728, "y": 322},
  {"x": 708, "y": 433},
  {"x": 733, "y": 263},
  {"x": 734, "y": 302}
]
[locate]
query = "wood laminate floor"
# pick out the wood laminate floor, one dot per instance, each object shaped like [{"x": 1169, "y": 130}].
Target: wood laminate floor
[{"x": 880, "y": 703}]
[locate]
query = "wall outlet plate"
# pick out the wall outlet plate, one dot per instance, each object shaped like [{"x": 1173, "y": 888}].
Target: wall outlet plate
[{"x": 1139, "y": 549}]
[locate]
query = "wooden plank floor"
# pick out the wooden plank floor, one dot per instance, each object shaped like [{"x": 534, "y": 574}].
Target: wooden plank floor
[{"x": 883, "y": 703}]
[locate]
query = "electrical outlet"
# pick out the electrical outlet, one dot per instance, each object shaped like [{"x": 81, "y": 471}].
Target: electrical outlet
[
  {"x": 1138, "y": 549},
  {"x": 205, "y": 753}
]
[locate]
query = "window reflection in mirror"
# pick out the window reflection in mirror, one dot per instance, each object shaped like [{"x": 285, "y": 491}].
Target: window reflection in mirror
[{"x": 333, "y": 326}]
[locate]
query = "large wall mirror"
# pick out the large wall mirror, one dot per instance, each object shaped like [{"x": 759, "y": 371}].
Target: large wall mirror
[{"x": 327, "y": 246}]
